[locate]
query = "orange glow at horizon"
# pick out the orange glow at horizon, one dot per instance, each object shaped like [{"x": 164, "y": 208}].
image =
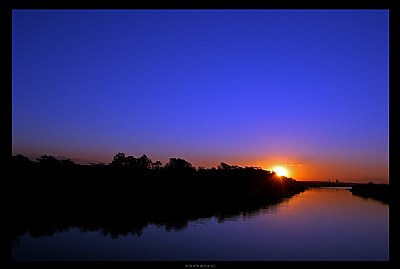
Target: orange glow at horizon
[
  {"x": 360, "y": 169},
  {"x": 281, "y": 171}
]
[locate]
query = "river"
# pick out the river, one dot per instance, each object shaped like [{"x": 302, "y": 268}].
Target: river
[{"x": 320, "y": 224}]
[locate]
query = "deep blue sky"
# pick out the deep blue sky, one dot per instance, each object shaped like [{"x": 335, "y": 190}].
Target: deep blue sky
[{"x": 305, "y": 89}]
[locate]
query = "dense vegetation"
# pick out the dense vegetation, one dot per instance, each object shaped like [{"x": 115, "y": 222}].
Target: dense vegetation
[
  {"x": 129, "y": 193},
  {"x": 379, "y": 192}
]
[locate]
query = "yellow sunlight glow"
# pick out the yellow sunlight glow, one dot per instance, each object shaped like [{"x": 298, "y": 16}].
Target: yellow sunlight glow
[{"x": 281, "y": 171}]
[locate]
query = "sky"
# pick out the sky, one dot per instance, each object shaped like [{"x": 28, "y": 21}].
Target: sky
[{"x": 304, "y": 89}]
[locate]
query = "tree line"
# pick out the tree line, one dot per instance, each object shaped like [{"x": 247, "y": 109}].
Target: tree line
[
  {"x": 129, "y": 193},
  {"x": 122, "y": 161}
]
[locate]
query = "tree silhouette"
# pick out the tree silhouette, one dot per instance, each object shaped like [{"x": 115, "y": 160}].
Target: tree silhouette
[
  {"x": 178, "y": 164},
  {"x": 143, "y": 162},
  {"x": 130, "y": 161},
  {"x": 119, "y": 159},
  {"x": 156, "y": 165},
  {"x": 48, "y": 160},
  {"x": 54, "y": 192},
  {"x": 68, "y": 163},
  {"x": 21, "y": 160},
  {"x": 224, "y": 166}
]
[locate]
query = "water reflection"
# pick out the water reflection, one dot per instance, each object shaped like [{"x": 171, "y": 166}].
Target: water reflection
[
  {"x": 116, "y": 224},
  {"x": 318, "y": 224},
  {"x": 122, "y": 201}
]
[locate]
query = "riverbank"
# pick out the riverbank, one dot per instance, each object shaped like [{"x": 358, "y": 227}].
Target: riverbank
[
  {"x": 371, "y": 190},
  {"x": 319, "y": 184},
  {"x": 120, "y": 199}
]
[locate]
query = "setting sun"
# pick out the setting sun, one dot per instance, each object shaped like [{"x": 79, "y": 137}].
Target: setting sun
[{"x": 281, "y": 171}]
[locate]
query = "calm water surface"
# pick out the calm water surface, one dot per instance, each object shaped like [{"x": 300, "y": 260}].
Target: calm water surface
[{"x": 317, "y": 225}]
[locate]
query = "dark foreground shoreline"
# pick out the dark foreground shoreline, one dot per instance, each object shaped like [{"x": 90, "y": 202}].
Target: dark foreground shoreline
[
  {"x": 118, "y": 200},
  {"x": 129, "y": 194},
  {"x": 380, "y": 192}
]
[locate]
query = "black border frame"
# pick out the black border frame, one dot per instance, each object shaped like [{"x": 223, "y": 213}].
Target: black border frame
[{"x": 6, "y": 8}]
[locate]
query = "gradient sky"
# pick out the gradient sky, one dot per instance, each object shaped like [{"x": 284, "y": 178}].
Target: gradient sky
[{"x": 297, "y": 88}]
